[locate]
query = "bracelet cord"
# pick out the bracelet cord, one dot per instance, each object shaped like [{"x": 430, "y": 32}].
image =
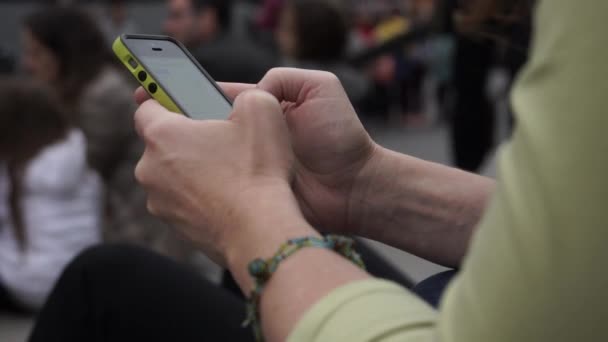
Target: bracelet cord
[{"x": 261, "y": 270}]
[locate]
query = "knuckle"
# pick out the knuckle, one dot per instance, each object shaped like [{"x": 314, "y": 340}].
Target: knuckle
[
  {"x": 140, "y": 173},
  {"x": 152, "y": 208},
  {"x": 155, "y": 131},
  {"x": 257, "y": 98},
  {"x": 150, "y": 125},
  {"x": 329, "y": 77},
  {"x": 274, "y": 72},
  {"x": 149, "y": 132},
  {"x": 139, "y": 121}
]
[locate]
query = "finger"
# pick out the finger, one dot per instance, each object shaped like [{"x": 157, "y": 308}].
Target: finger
[
  {"x": 257, "y": 109},
  {"x": 149, "y": 112},
  {"x": 294, "y": 85},
  {"x": 232, "y": 90},
  {"x": 141, "y": 95},
  {"x": 141, "y": 170}
]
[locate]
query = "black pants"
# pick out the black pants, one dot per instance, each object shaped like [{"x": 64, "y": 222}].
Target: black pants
[
  {"x": 5, "y": 300},
  {"x": 8, "y": 305},
  {"x": 115, "y": 293}
]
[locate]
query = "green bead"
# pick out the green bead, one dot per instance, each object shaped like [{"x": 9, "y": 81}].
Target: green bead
[{"x": 257, "y": 268}]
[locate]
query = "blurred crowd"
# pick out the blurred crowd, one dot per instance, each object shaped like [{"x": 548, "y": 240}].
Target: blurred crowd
[{"x": 68, "y": 147}]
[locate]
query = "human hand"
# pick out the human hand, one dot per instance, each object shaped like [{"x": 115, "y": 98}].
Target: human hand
[
  {"x": 334, "y": 153},
  {"x": 224, "y": 184},
  {"x": 331, "y": 146}
]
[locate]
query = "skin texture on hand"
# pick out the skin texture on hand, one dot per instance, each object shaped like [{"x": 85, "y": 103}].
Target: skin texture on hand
[
  {"x": 205, "y": 177},
  {"x": 229, "y": 187},
  {"x": 347, "y": 184},
  {"x": 225, "y": 186},
  {"x": 329, "y": 142},
  {"x": 327, "y": 137},
  {"x": 424, "y": 208}
]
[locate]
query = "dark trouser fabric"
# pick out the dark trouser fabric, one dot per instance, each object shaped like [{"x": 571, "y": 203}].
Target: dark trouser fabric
[
  {"x": 8, "y": 305},
  {"x": 128, "y": 294},
  {"x": 432, "y": 289},
  {"x": 119, "y": 293},
  {"x": 5, "y": 301}
]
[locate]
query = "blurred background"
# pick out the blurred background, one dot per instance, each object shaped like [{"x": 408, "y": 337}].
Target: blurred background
[{"x": 424, "y": 82}]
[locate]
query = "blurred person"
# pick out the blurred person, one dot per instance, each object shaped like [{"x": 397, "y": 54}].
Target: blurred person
[
  {"x": 268, "y": 16},
  {"x": 403, "y": 89},
  {"x": 441, "y": 46},
  {"x": 398, "y": 75},
  {"x": 50, "y": 199},
  {"x": 204, "y": 26},
  {"x": 7, "y": 63},
  {"x": 530, "y": 246},
  {"x": 181, "y": 22},
  {"x": 422, "y": 11},
  {"x": 314, "y": 34},
  {"x": 66, "y": 50},
  {"x": 116, "y": 20},
  {"x": 411, "y": 71},
  {"x": 413, "y": 63},
  {"x": 362, "y": 35},
  {"x": 265, "y": 23},
  {"x": 473, "y": 122}
]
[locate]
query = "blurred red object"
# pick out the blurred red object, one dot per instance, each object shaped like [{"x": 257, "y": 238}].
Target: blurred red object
[
  {"x": 384, "y": 69},
  {"x": 268, "y": 17}
]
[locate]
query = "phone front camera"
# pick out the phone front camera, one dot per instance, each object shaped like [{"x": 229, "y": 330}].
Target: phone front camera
[{"x": 152, "y": 88}]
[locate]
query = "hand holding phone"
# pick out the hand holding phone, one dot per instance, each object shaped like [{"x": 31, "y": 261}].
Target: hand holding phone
[{"x": 170, "y": 74}]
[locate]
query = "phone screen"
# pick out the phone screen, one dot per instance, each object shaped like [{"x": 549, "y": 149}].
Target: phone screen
[{"x": 181, "y": 79}]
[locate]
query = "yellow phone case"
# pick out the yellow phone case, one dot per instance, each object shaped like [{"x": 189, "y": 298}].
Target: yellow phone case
[{"x": 152, "y": 87}]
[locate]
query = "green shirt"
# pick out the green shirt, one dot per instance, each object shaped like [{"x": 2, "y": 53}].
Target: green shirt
[{"x": 535, "y": 270}]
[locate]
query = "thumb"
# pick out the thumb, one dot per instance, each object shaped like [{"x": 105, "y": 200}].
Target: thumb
[
  {"x": 259, "y": 110},
  {"x": 150, "y": 114},
  {"x": 232, "y": 90}
]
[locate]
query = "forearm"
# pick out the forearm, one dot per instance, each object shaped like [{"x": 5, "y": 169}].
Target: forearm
[
  {"x": 300, "y": 281},
  {"x": 424, "y": 208}
]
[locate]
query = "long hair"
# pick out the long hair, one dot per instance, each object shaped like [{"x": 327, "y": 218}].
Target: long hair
[
  {"x": 30, "y": 119},
  {"x": 77, "y": 43}
]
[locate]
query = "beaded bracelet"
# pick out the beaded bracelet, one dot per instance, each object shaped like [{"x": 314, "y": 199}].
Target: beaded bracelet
[{"x": 261, "y": 270}]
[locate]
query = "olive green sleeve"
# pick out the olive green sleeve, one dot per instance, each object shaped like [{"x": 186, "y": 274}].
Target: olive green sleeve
[{"x": 535, "y": 269}]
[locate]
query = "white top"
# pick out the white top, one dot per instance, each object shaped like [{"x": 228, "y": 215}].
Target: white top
[{"x": 62, "y": 208}]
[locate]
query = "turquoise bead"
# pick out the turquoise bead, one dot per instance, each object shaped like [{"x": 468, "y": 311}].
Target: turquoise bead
[{"x": 257, "y": 268}]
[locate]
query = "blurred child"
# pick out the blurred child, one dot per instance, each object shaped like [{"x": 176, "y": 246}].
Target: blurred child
[
  {"x": 64, "y": 48},
  {"x": 50, "y": 200}
]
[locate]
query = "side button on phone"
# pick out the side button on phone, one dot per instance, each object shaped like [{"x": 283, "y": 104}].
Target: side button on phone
[
  {"x": 152, "y": 88},
  {"x": 142, "y": 76}
]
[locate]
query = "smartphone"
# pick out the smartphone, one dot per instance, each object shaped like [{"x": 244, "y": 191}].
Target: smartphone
[{"x": 169, "y": 73}]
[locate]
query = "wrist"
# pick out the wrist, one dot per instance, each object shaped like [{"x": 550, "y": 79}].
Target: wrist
[
  {"x": 360, "y": 202},
  {"x": 267, "y": 221}
]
